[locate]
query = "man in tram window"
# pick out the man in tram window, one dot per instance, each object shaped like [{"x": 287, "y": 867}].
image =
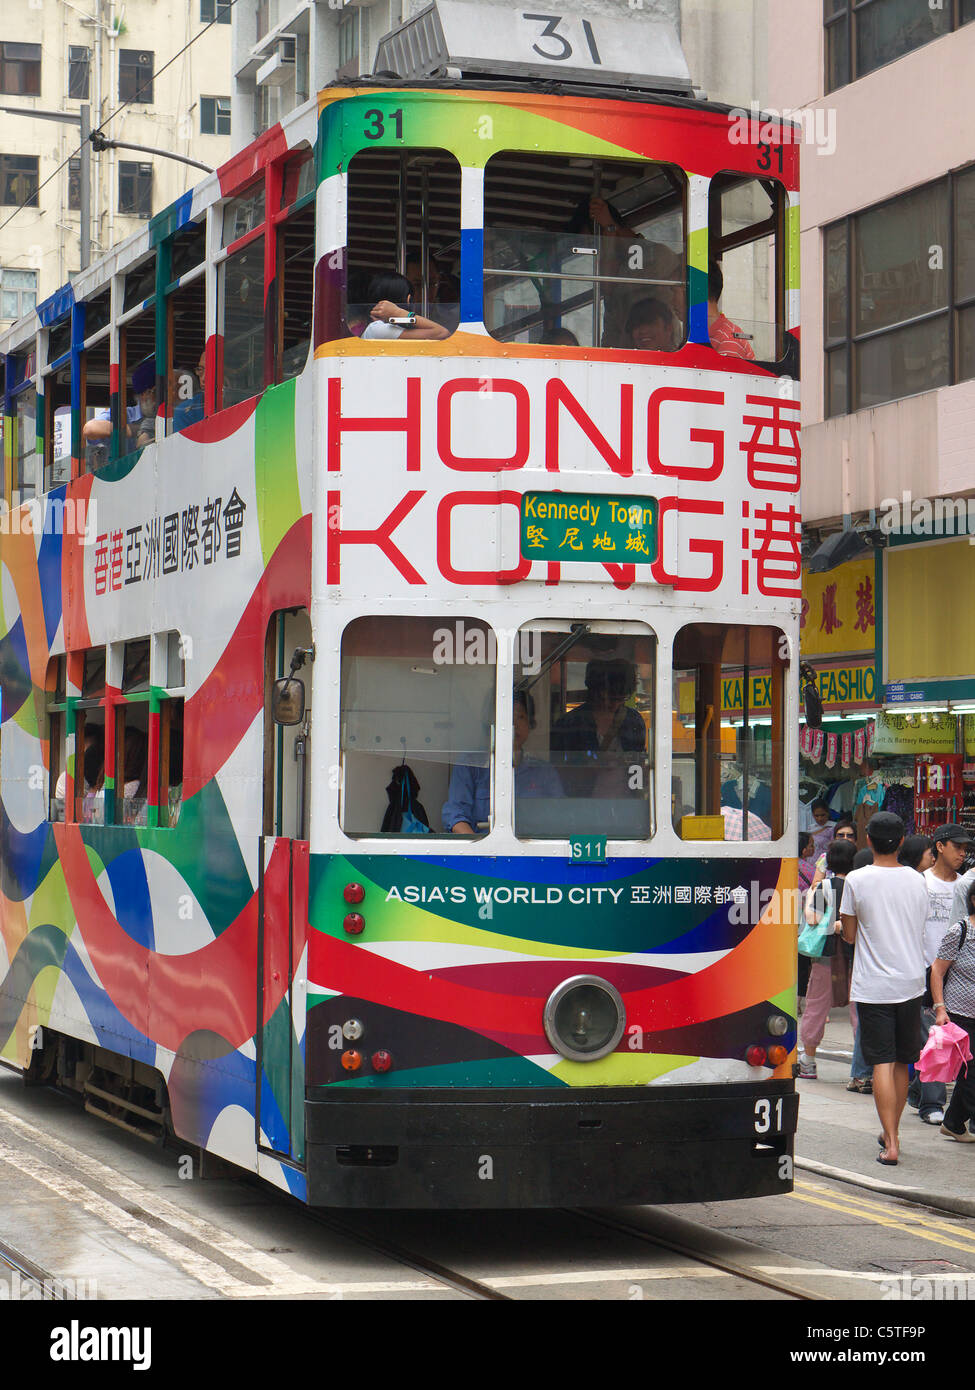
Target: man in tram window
[
  {"x": 140, "y": 427},
  {"x": 726, "y": 337},
  {"x": 650, "y": 326},
  {"x": 468, "y": 805},
  {"x": 598, "y": 738},
  {"x": 387, "y": 293},
  {"x": 644, "y": 260},
  {"x": 189, "y": 411}
]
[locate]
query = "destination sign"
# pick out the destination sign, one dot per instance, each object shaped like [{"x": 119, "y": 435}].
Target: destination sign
[{"x": 586, "y": 527}]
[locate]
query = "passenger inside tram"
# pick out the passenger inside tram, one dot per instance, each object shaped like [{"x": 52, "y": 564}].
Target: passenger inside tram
[
  {"x": 650, "y": 326},
  {"x": 392, "y": 314},
  {"x": 595, "y": 738},
  {"x": 140, "y": 426},
  {"x": 468, "y": 805}
]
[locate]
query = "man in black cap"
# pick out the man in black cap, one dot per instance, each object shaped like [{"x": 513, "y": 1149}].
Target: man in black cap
[
  {"x": 884, "y": 909},
  {"x": 951, "y": 844}
]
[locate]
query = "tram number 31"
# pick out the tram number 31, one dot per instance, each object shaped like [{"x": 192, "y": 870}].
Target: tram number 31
[
  {"x": 564, "y": 50},
  {"x": 763, "y": 1116}
]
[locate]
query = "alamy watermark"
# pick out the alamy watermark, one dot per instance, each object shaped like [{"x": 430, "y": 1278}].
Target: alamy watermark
[
  {"x": 773, "y": 130},
  {"x": 908, "y": 515},
  {"x": 72, "y": 516},
  {"x": 476, "y": 646}
]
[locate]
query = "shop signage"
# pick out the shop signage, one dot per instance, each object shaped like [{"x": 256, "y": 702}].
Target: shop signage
[
  {"x": 839, "y": 610},
  {"x": 895, "y": 734}
]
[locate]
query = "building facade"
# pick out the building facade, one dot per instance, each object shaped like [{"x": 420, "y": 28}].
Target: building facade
[
  {"x": 57, "y": 57},
  {"x": 888, "y": 370}
]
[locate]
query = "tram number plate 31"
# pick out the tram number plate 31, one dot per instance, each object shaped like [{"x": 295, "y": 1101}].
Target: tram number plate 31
[
  {"x": 588, "y": 849},
  {"x": 768, "y": 1115}
]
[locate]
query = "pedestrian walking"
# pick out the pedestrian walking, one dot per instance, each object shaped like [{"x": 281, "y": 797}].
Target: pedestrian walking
[
  {"x": 953, "y": 992},
  {"x": 951, "y": 844},
  {"x": 884, "y": 909},
  {"x": 819, "y": 990}
]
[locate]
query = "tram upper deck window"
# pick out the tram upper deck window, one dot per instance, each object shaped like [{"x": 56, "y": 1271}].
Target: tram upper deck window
[
  {"x": 417, "y": 733},
  {"x": 583, "y": 731},
  {"x": 24, "y": 445},
  {"x": 728, "y": 732},
  {"x": 240, "y": 309},
  {"x": 746, "y": 282},
  {"x": 403, "y": 218},
  {"x": 186, "y": 328},
  {"x": 584, "y": 252}
]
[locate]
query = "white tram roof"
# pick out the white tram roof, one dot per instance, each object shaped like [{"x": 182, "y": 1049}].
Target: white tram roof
[{"x": 458, "y": 40}]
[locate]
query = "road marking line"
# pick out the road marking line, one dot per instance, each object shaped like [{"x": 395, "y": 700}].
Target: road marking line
[
  {"x": 894, "y": 1225},
  {"x": 919, "y": 1219}
]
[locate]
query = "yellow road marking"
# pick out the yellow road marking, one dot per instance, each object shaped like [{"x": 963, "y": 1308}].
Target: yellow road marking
[
  {"x": 911, "y": 1226},
  {"x": 919, "y": 1218}
]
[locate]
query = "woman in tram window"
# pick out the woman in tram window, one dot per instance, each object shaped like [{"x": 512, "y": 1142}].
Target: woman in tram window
[{"x": 387, "y": 293}]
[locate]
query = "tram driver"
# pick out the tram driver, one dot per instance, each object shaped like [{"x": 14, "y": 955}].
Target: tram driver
[{"x": 598, "y": 738}]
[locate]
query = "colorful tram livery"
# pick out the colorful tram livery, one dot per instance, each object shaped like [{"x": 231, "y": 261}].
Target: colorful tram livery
[{"x": 506, "y": 916}]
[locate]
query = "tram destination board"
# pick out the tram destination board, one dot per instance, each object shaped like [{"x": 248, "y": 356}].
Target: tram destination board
[{"x": 588, "y": 526}]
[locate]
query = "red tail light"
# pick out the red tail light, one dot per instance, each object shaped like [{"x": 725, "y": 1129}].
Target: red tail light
[
  {"x": 353, "y": 892},
  {"x": 354, "y": 923},
  {"x": 381, "y": 1061},
  {"x": 755, "y": 1056}
]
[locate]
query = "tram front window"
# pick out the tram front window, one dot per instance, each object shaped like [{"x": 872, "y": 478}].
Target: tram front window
[
  {"x": 584, "y": 252},
  {"x": 417, "y": 733},
  {"x": 583, "y": 731}
]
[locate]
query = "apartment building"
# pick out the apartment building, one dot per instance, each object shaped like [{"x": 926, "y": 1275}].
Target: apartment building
[
  {"x": 888, "y": 353},
  {"x": 56, "y": 57}
]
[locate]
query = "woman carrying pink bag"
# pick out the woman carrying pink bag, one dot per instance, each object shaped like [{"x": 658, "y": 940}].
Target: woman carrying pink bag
[{"x": 953, "y": 992}]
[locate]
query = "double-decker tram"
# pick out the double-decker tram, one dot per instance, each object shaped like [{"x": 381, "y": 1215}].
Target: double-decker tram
[{"x": 400, "y": 592}]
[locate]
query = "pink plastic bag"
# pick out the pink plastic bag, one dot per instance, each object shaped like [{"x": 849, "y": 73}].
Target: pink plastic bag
[{"x": 944, "y": 1054}]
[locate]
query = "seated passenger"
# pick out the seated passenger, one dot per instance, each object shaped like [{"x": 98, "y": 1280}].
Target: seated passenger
[
  {"x": 387, "y": 293},
  {"x": 559, "y": 337},
  {"x": 726, "y": 337},
  {"x": 93, "y": 806},
  {"x": 468, "y": 803},
  {"x": 188, "y": 412},
  {"x": 650, "y": 326},
  {"x": 94, "y": 739},
  {"x": 140, "y": 426},
  {"x": 598, "y": 738},
  {"x": 136, "y": 769}
]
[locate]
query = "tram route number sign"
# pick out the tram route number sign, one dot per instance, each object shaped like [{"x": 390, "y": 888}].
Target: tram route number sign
[
  {"x": 567, "y": 526},
  {"x": 587, "y": 849}
]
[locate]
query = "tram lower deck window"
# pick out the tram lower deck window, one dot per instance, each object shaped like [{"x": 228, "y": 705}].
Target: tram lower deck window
[
  {"x": 417, "y": 737},
  {"x": 583, "y": 731},
  {"x": 584, "y": 252},
  {"x": 728, "y": 737}
]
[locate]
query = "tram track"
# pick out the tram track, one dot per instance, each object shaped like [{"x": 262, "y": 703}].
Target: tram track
[{"x": 48, "y": 1287}]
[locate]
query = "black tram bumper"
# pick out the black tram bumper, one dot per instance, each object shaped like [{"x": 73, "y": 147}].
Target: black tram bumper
[{"x": 541, "y": 1148}]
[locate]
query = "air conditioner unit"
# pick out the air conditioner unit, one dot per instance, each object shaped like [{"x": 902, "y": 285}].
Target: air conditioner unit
[{"x": 280, "y": 67}]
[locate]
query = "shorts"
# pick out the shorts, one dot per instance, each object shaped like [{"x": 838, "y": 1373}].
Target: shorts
[{"x": 890, "y": 1032}]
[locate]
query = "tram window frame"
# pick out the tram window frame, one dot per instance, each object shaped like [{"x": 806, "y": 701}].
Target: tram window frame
[
  {"x": 93, "y": 699},
  {"x": 184, "y": 390},
  {"x": 143, "y": 322},
  {"x": 612, "y": 316},
  {"x": 369, "y": 172},
  {"x": 57, "y": 725},
  {"x": 97, "y": 353},
  {"x": 771, "y": 230},
  {"x": 249, "y": 253},
  {"x": 56, "y": 379},
  {"x": 172, "y": 710},
  {"x": 579, "y": 766},
  {"x": 406, "y": 654},
  {"x": 23, "y": 475},
  {"x": 132, "y": 713},
  {"x": 289, "y": 361},
  {"x": 717, "y": 740}
]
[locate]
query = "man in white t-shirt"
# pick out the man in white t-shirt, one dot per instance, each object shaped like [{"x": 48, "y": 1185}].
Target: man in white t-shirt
[
  {"x": 884, "y": 909},
  {"x": 951, "y": 844}
]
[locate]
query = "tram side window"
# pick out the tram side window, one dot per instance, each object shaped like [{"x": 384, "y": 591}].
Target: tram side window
[
  {"x": 417, "y": 731},
  {"x": 57, "y": 427},
  {"x": 186, "y": 343},
  {"x": 89, "y": 741},
  {"x": 584, "y": 252},
  {"x": 24, "y": 451},
  {"x": 403, "y": 219},
  {"x": 746, "y": 273},
  {"x": 132, "y": 736},
  {"x": 96, "y": 415},
  {"x": 295, "y": 274},
  {"x": 583, "y": 731},
  {"x": 728, "y": 732},
  {"x": 170, "y": 763},
  {"x": 57, "y": 709},
  {"x": 240, "y": 308},
  {"x": 137, "y": 367}
]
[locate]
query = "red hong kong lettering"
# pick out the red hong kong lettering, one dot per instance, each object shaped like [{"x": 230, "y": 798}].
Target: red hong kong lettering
[
  {"x": 489, "y": 387},
  {"x": 558, "y": 394},
  {"x": 475, "y": 499},
  {"x": 338, "y": 424},
  {"x": 701, "y": 583},
  {"x": 337, "y": 537},
  {"x": 715, "y": 438}
]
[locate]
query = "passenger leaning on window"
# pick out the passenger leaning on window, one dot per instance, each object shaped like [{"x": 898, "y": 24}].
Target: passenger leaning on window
[
  {"x": 387, "y": 293},
  {"x": 140, "y": 428},
  {"x": 726, "y": 337}
]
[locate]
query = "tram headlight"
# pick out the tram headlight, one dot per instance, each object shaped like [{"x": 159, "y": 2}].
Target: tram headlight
[
  {"x": 776, "y": 1025},
  {"x": 584, "y": 1018}
]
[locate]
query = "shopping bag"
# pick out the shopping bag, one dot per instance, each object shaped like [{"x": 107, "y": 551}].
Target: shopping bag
[
  {"x": 944, "y": 1054},
  {"x": 813, "y": 937}
]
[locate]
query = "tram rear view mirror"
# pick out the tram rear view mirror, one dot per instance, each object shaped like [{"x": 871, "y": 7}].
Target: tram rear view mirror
[{"x": 288, "y": 700}]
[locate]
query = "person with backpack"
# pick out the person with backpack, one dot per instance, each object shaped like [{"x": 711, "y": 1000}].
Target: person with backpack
[
  {"x": 823, "y": 903},
  {"x": 953, "y": 993}
]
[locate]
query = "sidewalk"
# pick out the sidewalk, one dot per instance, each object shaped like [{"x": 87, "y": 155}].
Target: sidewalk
[{"x": 838, "y": 1131}]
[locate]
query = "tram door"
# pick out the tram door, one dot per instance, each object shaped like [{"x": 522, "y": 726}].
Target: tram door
[{"x": 284, "y": 887}]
